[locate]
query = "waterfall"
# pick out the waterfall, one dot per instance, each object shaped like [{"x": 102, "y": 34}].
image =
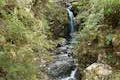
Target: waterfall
[
  {"x": 71, "y": 30},
  {"x": 71, "y": 22},
  {"x": 64, "y": 66}
]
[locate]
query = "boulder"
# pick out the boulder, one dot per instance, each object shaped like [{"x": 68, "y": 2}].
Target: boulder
[
  {"x": 61, "y": 50},
  {"x": 64, "y": 57},
  {"x": 97, "y": 71},
  {"x": 61, "y": 67}
]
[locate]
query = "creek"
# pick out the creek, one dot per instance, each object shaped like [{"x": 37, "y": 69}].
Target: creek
[{"x": 64, "y": 67}]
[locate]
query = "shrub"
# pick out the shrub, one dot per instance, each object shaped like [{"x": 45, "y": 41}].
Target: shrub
[
  {"x": 17, "y": 65},
  {"x": 2, "y": 3},
  {"x": 15, "y": 30},
  {"x": 55, "y": 15},
  {"x": 112, "y": 12}
]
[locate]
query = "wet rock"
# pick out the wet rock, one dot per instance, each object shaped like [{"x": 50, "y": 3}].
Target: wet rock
[
  {"x": 72, "y": 79},
  {"x": 97, "y": 71},
  {"x": 61, "y": 50},
  {"x": 70, "y": 53},
  {"x": 78, "y": 75},
  {"x": 60, "y": 68},
  {"x": 59, "y": 45},
  {"x": 64, "y": 57},
  {"x": 61, "y": 42}
]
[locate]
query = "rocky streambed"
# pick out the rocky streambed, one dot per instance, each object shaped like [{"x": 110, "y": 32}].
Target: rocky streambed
[{"x": 64, "y": 66}]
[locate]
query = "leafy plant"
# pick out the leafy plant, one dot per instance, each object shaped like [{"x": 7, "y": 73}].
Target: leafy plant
[
  {"x": 2, "y": 3},
  {"x": 112, "y": 11}
]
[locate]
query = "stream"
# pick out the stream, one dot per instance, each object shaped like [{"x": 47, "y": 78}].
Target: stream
[
  {"x": 71, "y": 40},
  {"x": 64, "y": 67}
]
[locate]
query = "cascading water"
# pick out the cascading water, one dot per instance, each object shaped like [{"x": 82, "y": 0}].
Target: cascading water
[
  {"x": 71, "y": 25},
  {"x": 71, "y": 22},
  {"x": 64, "y": 66},
  {"x": 72, "y": 76},
  {"x": 71, "y": 28}
]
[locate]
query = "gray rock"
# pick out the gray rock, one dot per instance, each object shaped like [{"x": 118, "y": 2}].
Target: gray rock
[
  {"x": 63, "y": 63},
  {"x": 61, "y": 67},
  {"x": 97, "y": 71},
  {"x": 61, "y": 50},
  {"x": 64, "y": 57}
]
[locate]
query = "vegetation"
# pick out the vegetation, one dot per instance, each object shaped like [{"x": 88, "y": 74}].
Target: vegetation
[
  {"x": 99, "y": 38},
  {"x": 30, "y": 30},
  {"x": 26, "y": 38}
]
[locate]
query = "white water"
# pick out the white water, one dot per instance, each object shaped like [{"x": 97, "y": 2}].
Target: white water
[
  {"x": 71, "y": 21},
  {"x": 72, "y": 76},
  {"x": 72, "y": 30}
]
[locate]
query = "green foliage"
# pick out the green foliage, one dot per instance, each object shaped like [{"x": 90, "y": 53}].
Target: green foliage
[
  {"x": 24, "y": 43},
  {"x": 98, "y": 18},
  {"x": 112, "y": 11},
  {"x": 55, "y": 15},
  {"x": 111, "y": 58},
  {"x": 15, "y": 30},
  {"x": 2, "y": 3},
  {"x": 116, "y": 75},
  {"x": 16, "y": 56},
  {"x": 109, "y": 40},
  {"x": 17, "y": 64},
  {"x": 111, "y": 6}
]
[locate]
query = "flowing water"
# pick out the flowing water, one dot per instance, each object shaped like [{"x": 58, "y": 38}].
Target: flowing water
[
  {"x": 71, "y": 28},
  {"x": 72, "y": 76},
  {"x": 71, "y": 25},
  {"x": 71, "y": 22},
  {"x": 64, "y": 66}
]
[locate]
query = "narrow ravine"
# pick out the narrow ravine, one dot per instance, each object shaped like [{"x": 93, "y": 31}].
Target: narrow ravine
[
  {"x": 71, "y": 38},
  {"x": 64, "y": 67}
]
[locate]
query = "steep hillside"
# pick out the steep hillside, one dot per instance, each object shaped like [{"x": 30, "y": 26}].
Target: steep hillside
[
  {"x": 99, "y": 39},
  {"x": 27, "y": 29},
  {"x": 30, "y": 30}
]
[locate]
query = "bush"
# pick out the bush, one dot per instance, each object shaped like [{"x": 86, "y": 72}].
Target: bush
[
  {"x": 15, "y": 30},
  {"x": 112, "y": 12},
  {"x": 55, "y": 15},
  {"x": 24, "y": 43},
  {"x": 96, "y": 37},
  {"x": 2, "y": 3},
  {"x": 17, "y": 65}
]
